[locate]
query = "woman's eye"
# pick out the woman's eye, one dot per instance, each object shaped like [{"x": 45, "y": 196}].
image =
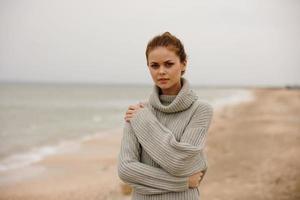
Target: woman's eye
[
  {"x": 169, "y": 64},
  {"x": 154, "y": 66}
]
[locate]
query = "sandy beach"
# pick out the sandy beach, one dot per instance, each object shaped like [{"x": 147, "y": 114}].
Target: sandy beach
[{"x": 253, "y": 152}]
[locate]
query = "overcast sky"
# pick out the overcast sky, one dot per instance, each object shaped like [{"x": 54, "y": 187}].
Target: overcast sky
[{"x": 232, "y": 42}]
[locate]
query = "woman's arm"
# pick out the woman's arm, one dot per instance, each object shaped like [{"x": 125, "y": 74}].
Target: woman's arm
[
  {"x": 178, "y": 158},
  {"x": 144, "y": 178}
]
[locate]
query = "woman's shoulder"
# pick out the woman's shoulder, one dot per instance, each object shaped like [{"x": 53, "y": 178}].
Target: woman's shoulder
[
  {"x": 203, "y": 106},
  {"x": 145, "y": 103},
  {"x": 202, "y": 114}
]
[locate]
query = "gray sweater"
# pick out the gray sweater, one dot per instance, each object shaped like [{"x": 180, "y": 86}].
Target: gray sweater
[{"x": 163, "y": 144}]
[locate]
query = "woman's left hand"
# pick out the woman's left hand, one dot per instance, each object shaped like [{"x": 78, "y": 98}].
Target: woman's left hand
[{"x": 132, "y": 109}]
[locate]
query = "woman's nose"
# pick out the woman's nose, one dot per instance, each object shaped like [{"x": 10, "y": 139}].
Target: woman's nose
[{"x": 161, "y": 70}]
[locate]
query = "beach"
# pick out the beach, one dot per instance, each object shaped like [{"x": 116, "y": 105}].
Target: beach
[{"x": 253, "y": 153}]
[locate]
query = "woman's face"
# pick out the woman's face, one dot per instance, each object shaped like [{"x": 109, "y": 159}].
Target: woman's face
[{"x": 165, "y": 68}]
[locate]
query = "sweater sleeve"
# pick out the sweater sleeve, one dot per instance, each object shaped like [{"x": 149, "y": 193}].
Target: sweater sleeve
[
  {"x": 144, "y": 178},
  {"x": 180, "y": 158}
]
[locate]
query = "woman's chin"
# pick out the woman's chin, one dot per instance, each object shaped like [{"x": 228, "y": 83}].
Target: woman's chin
[{"x": 163, "y": 86}]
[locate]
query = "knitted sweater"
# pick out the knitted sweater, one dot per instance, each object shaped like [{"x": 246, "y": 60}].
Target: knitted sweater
[{"x": 163, "y": 144}]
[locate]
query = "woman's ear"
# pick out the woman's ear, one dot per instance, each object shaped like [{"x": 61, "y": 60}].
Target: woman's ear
[{"x": 183, "y": 65}]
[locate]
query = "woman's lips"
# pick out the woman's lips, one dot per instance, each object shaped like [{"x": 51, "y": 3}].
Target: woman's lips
[{"x": 163, "y": 80}]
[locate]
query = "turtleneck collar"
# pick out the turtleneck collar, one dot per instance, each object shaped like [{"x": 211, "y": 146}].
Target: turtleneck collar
[
  {"x": 166, "y": 99},
  {"x": 173, "y": 103}
]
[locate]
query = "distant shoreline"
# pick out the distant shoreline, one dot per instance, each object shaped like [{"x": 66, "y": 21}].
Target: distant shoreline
[{"x": 196, "y": 86}]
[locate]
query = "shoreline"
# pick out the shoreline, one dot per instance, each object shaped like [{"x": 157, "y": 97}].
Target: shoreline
[{"x": 248, "y": 158}]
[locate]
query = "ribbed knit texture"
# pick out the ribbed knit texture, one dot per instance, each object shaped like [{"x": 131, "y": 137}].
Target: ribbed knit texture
[{"x": 163, "y": 144}]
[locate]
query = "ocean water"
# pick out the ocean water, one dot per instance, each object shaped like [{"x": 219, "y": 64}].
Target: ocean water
[{"x": 37, "y": 120}]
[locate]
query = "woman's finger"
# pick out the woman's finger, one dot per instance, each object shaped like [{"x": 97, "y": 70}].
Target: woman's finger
[
  {"x": 127, "y": 118},
  {"x": 129, "y": 111},
  {"x": 130, "y": 115},
  {"x": 132, "y": 107}
]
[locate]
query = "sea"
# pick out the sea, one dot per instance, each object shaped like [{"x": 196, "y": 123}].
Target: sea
[{"x": 41, "y": 119}]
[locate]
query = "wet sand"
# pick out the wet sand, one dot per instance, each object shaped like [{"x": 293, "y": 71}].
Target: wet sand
[{"x": 253, "y": 151}]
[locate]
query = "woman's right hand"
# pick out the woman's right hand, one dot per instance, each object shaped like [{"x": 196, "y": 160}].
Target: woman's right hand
[
  {"x": 132, "y": 109},
  {"x": 194, "y": 180}
]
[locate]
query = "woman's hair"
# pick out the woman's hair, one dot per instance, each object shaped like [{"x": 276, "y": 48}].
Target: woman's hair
[{"x": 171, "y": 42}]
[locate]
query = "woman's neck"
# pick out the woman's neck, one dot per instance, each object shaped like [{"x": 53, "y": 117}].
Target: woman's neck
[{"x": 174, "y": 90}]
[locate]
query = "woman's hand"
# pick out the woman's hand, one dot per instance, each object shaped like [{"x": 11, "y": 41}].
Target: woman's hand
[
  {"x": 195, "y": 179},
  {"x": 132, "y": 109}
]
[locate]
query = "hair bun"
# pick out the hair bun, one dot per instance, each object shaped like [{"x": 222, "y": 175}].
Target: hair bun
[{"x": 167, "y": 33}]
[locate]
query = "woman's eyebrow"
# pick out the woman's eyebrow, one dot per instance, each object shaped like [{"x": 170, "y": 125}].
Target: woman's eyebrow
[{"x": 152, "y": 62}]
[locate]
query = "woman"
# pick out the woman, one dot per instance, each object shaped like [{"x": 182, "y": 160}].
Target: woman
[{"x": 161, "y": 153}]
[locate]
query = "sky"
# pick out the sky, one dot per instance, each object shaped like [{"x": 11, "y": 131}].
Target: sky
[{"x": 228, "y": 43}]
